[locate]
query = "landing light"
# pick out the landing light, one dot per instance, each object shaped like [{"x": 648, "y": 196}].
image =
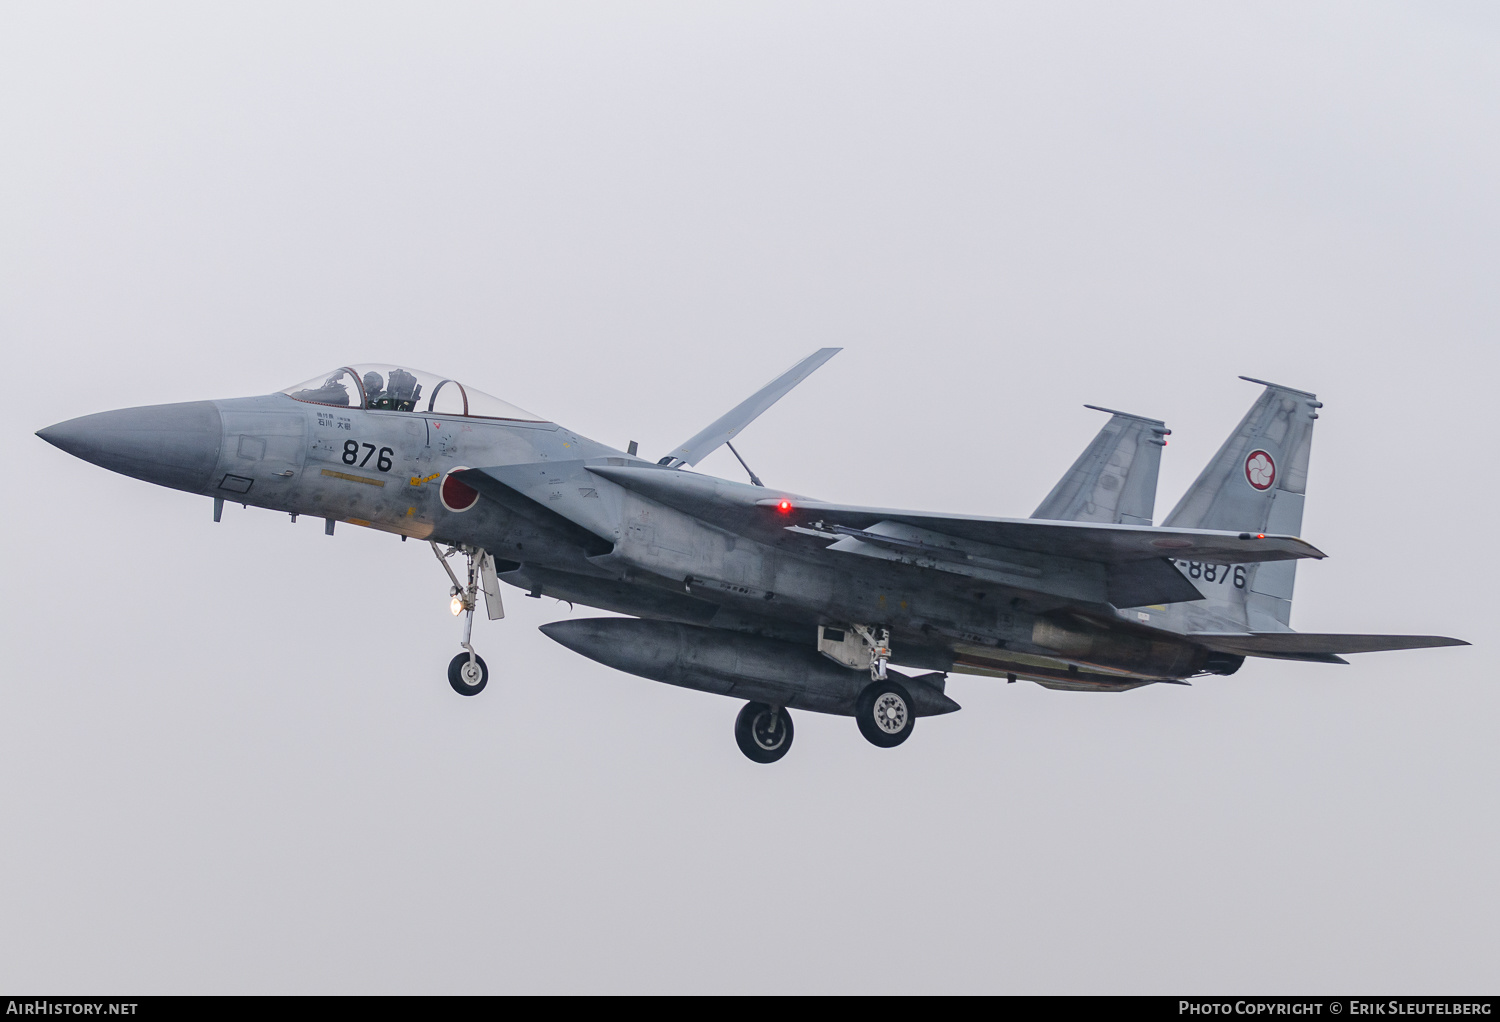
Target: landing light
[{"x": 456, "y": 605}]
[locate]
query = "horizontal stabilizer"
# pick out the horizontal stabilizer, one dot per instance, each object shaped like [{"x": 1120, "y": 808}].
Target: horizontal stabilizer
[
  {"x": 1297, "y": 645},
  {"x": 727, "y": 426}
]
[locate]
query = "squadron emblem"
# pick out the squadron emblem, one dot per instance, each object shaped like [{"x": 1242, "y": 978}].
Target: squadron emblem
[{"x": 1260, "y": 470}]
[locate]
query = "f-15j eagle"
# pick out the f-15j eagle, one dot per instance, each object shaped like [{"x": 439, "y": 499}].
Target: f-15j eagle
[{"x": 782, "y": 600}]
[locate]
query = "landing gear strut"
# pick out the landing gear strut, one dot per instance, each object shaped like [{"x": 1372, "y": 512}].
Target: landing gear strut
[
  {"x": 880, "y": 649},
  {"x": 763, "y": 732},
  {"x": 883, "y": 710},
  {"x": 467, "y": 672}
]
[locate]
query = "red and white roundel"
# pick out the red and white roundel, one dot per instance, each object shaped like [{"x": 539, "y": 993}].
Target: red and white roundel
[
  {"x": 456, "y": 494},
  {"x": 1260, "y": 470}
]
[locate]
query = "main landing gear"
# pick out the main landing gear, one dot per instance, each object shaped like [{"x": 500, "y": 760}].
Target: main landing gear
[
  {"x": 764, "y": 732},
  {"x": 467, "y": 672},
  {"x": 883, "y": 710}
]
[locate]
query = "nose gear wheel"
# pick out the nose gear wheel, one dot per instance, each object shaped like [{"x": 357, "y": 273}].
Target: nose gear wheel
[
  {"x": 763, "y": 732},
  {"x": 468, "y": 674}
]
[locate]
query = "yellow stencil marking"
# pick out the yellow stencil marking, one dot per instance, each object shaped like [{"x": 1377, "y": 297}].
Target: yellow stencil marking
[
  {"x": 415, "y": 481},
  {"x": 330, "y": 473}
]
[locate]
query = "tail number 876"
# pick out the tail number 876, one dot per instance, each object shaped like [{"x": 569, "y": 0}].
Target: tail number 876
[
  {"x": 1218, "y": 573},
  {"x": 351, "y": 455}
]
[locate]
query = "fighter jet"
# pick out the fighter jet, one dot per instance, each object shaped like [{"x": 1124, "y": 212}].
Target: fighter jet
[{"x": 779, "y": 599}]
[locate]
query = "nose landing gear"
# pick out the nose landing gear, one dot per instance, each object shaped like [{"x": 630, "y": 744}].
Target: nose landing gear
[
  {"x": 467, "y": 672},
  {"x": 763, "y": 732}
]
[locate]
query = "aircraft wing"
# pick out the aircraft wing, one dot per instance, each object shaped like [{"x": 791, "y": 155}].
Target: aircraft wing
[
  {"x": 762, "y": 513},
  {"x": 1088, "y": 541},
  {"x": 727, "y": 426},
  {"x": 1082, "y": 562}
]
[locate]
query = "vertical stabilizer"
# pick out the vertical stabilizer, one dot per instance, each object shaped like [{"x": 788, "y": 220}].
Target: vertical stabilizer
[
  {"x": 1256, "y": 483},
  {"x": 1114, "y": 479}
]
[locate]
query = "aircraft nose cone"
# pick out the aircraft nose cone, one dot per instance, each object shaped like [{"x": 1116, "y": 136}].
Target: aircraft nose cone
[{"x": 173, "y": 445}]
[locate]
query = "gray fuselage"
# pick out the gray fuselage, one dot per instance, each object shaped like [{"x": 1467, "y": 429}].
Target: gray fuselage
[{"x": 558, "y": 526}]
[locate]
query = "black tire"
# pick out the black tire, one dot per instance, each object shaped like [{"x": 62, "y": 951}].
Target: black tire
[
  {"x": 884, "y": 713},
  {"x": 762, "y": 737},
  {"x": 457, "y": 675}
]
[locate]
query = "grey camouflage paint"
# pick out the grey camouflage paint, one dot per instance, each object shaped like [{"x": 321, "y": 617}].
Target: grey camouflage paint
[{"x": 725, "y": 573}]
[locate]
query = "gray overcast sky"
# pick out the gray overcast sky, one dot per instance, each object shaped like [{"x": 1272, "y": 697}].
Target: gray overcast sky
[{"x": 229, "y": 759}]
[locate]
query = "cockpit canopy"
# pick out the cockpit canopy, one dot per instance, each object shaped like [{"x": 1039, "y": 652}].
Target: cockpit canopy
[{"x": 391, "y": 388}]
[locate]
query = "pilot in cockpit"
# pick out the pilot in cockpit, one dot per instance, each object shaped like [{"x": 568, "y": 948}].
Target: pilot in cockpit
[
  {"x": 397, "y": 393},
  {"x": 373, "y": 386}
]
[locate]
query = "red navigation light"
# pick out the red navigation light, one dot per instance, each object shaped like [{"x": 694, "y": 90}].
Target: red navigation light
[{"x": 785, "y": 507}]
